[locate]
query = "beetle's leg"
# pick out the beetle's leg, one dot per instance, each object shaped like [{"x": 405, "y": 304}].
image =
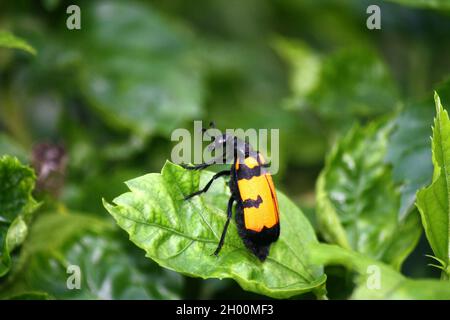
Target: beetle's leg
[
  {"x": 218, "y": 160},
  {"x": 198, "y": 166},
  {"x": 225, "y": 228},
  {"x": 204, "y": 165},
  {"x": 217, "y": 175}
]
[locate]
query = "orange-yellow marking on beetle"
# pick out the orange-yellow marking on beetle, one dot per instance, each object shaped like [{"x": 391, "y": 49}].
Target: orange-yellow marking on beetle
[
  {"x": 266, "y": 214},
  {"x": 249, "y": 162}
]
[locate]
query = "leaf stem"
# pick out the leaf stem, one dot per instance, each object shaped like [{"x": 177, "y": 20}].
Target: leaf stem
[
  {"x": 445, "y": 273},
  {"x": 321, "y": 293}
]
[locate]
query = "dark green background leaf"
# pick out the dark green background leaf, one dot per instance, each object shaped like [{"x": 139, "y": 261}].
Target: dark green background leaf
[
  {"x": 409, "y": 150},
  {"x": 110, "y": 267},
  {"x": 162, "y": 85},
  {"x": 340, "y": 87}
]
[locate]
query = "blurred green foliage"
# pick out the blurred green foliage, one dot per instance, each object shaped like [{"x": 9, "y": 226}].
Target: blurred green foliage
[
  {"x": 110, "y": 268},
  {"x": 111, "y": 93},
  {"x": 358, "y": 201}
]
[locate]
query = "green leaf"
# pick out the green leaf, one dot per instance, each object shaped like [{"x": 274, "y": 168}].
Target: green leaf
[
  {"x": 8, "y": 40},
  {"x": 110, "y": 267},
  {"x": 182, "y": 235},
  {"x": 358, "y": 202},
  {"x": 16, "y": 207},
  {"x": 377, "y": 280},
  {"x": 134, "y": 66},
  {"x": 431, "y": 4},
  {"x": 409, "y": 152},
  {"x": 433, "y": 201}
]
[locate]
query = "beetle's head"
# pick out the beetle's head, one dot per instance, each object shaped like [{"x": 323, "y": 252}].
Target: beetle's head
[
  {"x": 221, "y": 140},
  {"x": 227, "y": 142}
]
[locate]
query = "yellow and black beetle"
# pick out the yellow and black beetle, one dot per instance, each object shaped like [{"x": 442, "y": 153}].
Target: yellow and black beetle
[{"x": 252, "y": 188}]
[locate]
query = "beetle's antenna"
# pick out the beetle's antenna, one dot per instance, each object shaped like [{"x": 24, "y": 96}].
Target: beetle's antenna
[{"x": 212, "y": 125}]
